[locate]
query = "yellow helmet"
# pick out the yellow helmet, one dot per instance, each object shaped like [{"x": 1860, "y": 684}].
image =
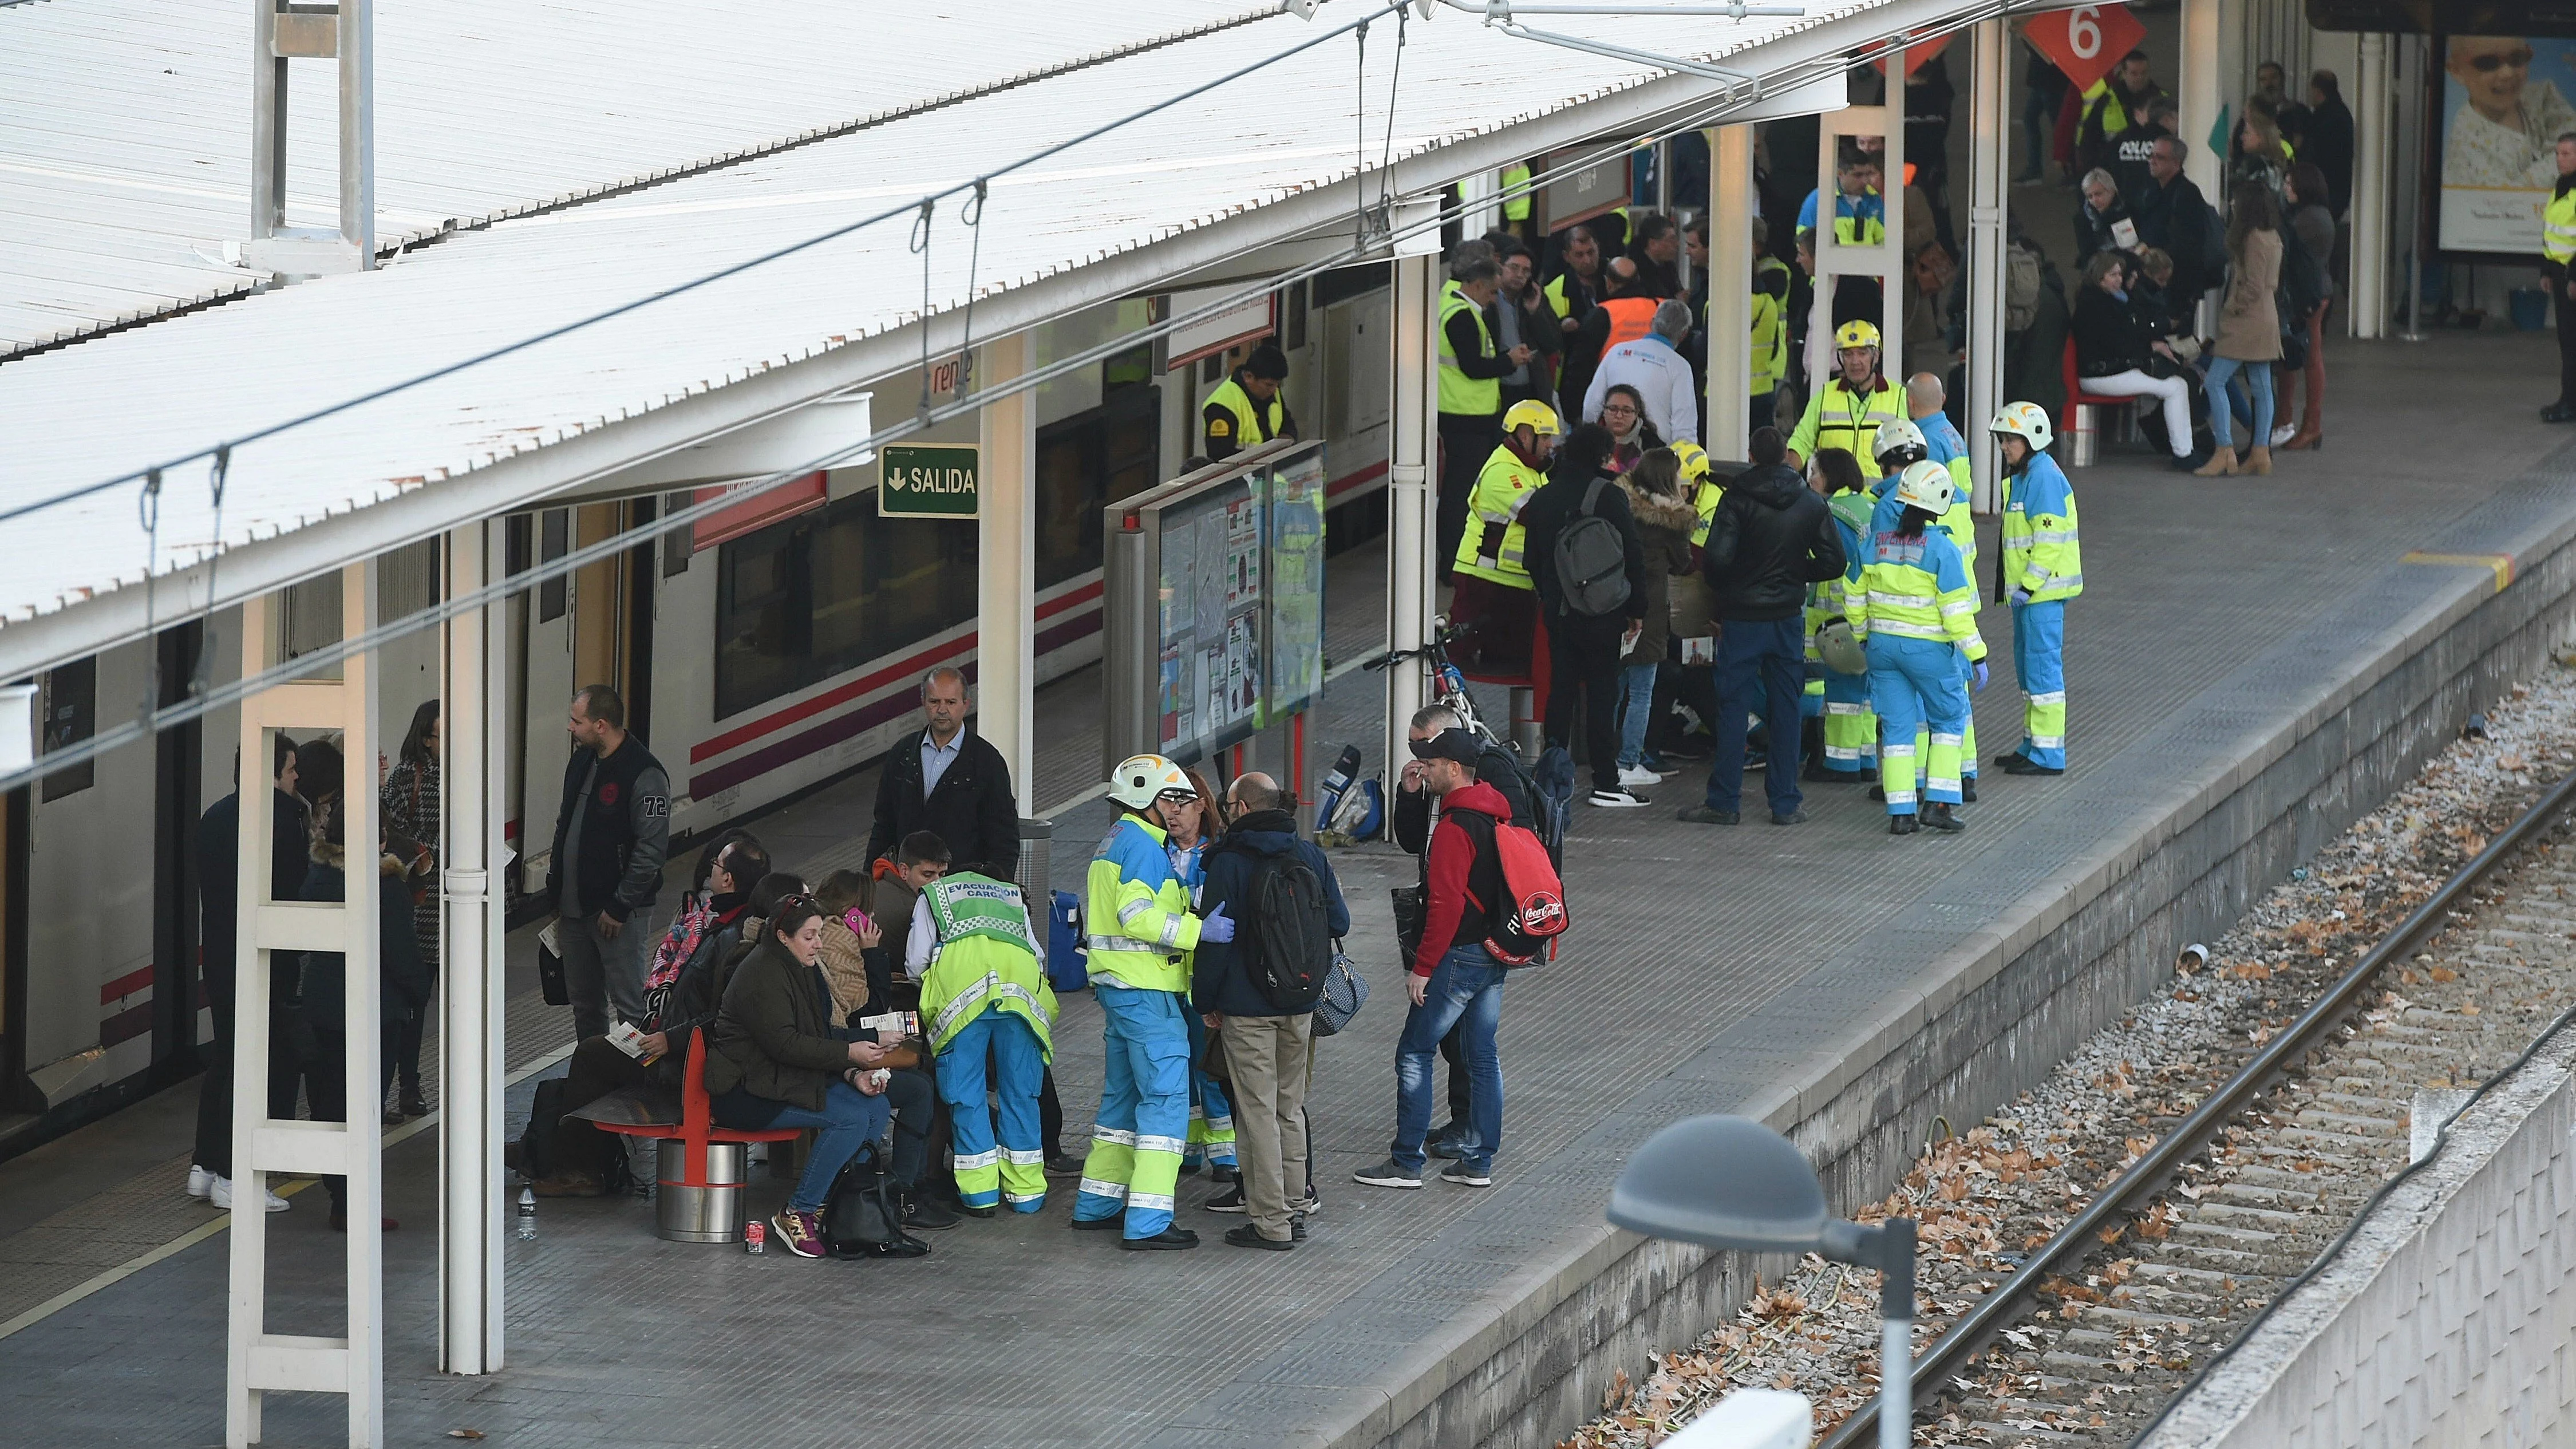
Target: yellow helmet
[
  {"x": 1139, "y": 780},
  {"x": 1855, "y": 333},
  {"x": 1694, "y": 460},
  {"x": 1536, "y": 415},
  {"x": 2025, "y": 420},
  {"x": 1896, "y": 436},
  {"x": 1926, "y": 485}
]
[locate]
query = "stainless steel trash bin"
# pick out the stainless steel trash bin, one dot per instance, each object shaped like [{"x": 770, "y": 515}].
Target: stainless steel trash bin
[{"x": 710, "y": 1214}]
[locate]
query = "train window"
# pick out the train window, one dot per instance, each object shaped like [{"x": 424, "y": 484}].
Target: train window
[
  {"x": 519, "y": 544},
  {"x": 556, "y": 525},
  {"x": 680, "y": 542},
  {"x": 71, "y": 716},
  {"x": 1343, "y": 283},
  {"x": 811, "y": 597},
  {"x": 1292, "y": 335},
  {"x": 1086, "y": 462}
]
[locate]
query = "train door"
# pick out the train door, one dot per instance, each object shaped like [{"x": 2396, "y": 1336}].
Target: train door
[
  {"x": 17, "y": 1104},
  {"x": 546, "y": 674}
]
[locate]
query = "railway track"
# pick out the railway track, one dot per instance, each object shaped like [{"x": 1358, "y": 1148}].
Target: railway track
[{"x": 2088, "y": 1250}]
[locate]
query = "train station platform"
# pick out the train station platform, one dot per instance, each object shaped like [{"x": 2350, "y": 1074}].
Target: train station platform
[{"x": 2253, "y": 661}]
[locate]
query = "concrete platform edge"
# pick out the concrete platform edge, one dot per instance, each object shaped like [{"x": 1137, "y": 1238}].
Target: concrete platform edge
[{"x": 2052, "y": 968}]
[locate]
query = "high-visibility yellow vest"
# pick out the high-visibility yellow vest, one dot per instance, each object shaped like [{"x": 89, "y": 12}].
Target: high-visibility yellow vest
[
  {"x": 1837, "y": 417},
  {"x": 2115, "y": 117},
  {"x": 1704, "y": 503},
  {"x": 1554, "y": 291},
  {"x": 986, "y": 959},
  {"x": 1914, "y": 588},
  {"x": 1459, "y": 393},
  {"x": 2042, "y": 553},
  {"x": 1136, "y": 923},
  {"x": 1516, "y": 198},
  {"x": 1770, "y": 357},
  {"x": 2558, "y": 227},
  {"x": 1252, "y": 422},
  {"x": 1491, "y": 548}
]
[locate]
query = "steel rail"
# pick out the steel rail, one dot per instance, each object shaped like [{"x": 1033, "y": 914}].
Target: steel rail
[{"x": 1996, "y": 1311}]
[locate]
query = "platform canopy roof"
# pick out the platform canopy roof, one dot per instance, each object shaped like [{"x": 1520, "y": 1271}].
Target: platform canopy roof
[{"x": 1186, "y": 190}]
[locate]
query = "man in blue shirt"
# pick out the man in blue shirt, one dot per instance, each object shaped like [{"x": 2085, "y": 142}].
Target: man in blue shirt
[{"x": 947, "y": 780}]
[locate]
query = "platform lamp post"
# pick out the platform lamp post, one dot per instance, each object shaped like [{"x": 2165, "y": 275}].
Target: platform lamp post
[{"x": 1730, "y": 1182}]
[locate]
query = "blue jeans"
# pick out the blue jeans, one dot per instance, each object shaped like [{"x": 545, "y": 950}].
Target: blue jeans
[
  {"x": 1763, "y": 663},
  {"x": 1466, "y": 992},
  {"x": 2258, "y": 385},
  {"x": 1636, "y": 711},
  {"x": 850, "y": 1120}
]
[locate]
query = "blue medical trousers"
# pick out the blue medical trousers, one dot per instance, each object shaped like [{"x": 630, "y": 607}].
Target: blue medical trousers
[
  {"x": 1144, "y": 1107},
  {"x": 1759, "y": 661},
  {"x": 2039, "y": 662},
  {"x": 1019, "y": 1070},
  {"x": 1466, "y": 991},
  {"x": 1913, "y": 682}
]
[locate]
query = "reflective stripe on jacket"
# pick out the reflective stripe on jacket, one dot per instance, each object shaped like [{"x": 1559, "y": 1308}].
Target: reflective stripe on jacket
[
  {"x": 2558, "y": 228},
  {"x": 1136, "y": 920},
  {"x": 1493, "y": 544},
  {"x": 1837, "y": 417},
  {"x": 1915, "y": 588}
]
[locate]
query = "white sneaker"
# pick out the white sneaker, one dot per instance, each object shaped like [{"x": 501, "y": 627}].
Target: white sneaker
[
  {"x": 1619, "y": 799},
  {"x": 2284, "y": 432},
  {"x": 1635, "y": 775},
  {"x": 221, "y": 1195},
  {"x": 200, "y": 1181}
]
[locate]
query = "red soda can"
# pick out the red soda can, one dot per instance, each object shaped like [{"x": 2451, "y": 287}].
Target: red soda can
[{"x": 754, "y": 1233}]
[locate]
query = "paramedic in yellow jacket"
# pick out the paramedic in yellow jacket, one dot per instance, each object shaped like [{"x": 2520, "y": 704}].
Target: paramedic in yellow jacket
[
  {"x": 1496, "y": 604},
  {"x": 1138, "y": 932}
]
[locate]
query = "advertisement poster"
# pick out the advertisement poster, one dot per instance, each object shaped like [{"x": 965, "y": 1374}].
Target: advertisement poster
[{"x": 2504, "y": 105}]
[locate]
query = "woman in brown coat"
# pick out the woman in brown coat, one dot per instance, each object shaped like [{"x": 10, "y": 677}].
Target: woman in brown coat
[
  {"x": 1664, "y": 521},
  {"x": 2249, "y": 330}
]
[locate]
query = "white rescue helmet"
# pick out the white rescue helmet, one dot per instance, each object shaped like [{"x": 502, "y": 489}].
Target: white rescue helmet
[
  {"x": 1926, "y": 485},
  {"x": 1898, "y": 435},
  {"x": 2025, "y": 420},
  {"x": 1140, "y": 780}
]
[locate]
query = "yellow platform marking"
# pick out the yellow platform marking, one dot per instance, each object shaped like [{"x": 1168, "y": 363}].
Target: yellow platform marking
[{"x": 2500, "y": 563}]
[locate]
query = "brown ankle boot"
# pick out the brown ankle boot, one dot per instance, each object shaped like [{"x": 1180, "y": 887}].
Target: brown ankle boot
[
  {"x": 2221, "y": 464},
  {"x": 2258, "y": 462}
]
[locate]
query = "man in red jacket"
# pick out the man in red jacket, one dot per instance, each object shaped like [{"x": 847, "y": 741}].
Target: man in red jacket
[{"x": 1455, "y": 981}]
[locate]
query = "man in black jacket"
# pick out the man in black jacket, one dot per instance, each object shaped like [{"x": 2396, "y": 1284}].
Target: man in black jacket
[
  {"x": 210, "y": 1171},
  {"x": 2175, "y": 217},
  {"x": 1771, "y": 538},
  {"x": 611, "y": 835},
  {"x": 1267, "y": 1049},
  {"x": 947, "y": 780},
  {"x": 1585, "y": 649}
]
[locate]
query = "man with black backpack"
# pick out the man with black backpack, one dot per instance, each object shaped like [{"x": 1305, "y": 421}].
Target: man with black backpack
[
  {"x": 1258, "y": 992},
  {"x": 1590, "y": 569}
]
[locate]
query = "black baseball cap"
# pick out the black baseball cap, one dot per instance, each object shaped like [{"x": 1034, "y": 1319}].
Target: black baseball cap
[{"x": 1450, "y": 744}]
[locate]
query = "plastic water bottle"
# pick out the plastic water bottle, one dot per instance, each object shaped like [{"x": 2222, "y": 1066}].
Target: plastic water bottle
[{"x": 527, "y": 1215}]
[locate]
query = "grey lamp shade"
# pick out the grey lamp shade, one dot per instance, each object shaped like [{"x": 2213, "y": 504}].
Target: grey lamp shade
[{"x": 1721, "y": 1182}]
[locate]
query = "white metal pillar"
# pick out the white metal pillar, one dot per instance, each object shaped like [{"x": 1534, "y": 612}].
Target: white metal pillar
[
  {"x": 281, "y": 33},
  {"x": 1989, "y": 194},
  {"x": 1730, "y": 296},
  {"x": 2197, "y": 99},
  {"x": 2374, "y": 106},
  {"x": 1006, "y": 563},
  {"x": 257, "y": 1361},
  {"x": 473, "y": 702},
  {"x": 1412, "y": 458},
  {"x": 1885, "y": 261},
  {"x": 1480, "y": 197}
]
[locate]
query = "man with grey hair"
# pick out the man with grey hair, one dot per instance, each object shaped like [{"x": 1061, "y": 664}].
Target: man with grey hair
[
  {"x": 944, "y": 778},
  {"x": 1654, "y": 366}
]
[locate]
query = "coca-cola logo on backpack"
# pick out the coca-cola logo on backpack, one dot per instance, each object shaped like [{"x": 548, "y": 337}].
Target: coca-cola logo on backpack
[{"x": 1534, "y": 915}]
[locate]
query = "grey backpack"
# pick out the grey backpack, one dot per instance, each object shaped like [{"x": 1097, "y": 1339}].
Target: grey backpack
[{"x": 1592, "y": 560}]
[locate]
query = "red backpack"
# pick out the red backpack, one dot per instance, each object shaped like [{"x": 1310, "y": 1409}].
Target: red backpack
[{"x": 1532, "y": 914}]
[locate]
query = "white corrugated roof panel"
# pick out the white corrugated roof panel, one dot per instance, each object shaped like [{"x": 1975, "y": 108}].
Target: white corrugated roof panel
[
  {"x": 121, "y": 402},
  {"x": 125, "y": 124}
]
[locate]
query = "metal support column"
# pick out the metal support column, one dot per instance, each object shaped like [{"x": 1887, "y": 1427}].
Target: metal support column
[
  {"x": 1412, "y": 463},
  {"x": 257, "y": 1361},
  {"x": 1006, "y": 564},
  {"x": 2374, "y": 105},
  {"x": 281, "y": 32},
  {"x": 1730, "y": 306},
  {"x": 474, "y": 697},
  {"x": 1480, "y": 197},
  {"x": 1989, "y": 194},
  {"x": 2200, "y": 86}
]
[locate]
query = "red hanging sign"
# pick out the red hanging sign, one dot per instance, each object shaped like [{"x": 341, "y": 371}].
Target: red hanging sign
[
  {"x": 2087, "y": 41},
  {"x": 1915, "y": 55}
]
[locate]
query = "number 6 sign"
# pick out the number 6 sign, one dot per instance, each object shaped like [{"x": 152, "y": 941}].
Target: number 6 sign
[{"x": 2087, "y": 41}]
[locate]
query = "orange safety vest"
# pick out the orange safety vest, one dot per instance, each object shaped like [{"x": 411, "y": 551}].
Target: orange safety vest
[{"x": 1630, "y": 319}]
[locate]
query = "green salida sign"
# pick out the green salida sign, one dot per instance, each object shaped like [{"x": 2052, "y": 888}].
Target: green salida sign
[{"x": 927, "y": 482}]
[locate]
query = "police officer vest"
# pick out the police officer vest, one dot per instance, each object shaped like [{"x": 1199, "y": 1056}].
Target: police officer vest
[{"x": 1459, "y": 393}]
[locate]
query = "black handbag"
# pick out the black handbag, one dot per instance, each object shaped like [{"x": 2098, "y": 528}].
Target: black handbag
[
  {"x": 862, "y": 1217},
  {"x": 1412, "y": 906},
  {"x": 1345, "y": 992},
  {"x": 550, "y": 972}
]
